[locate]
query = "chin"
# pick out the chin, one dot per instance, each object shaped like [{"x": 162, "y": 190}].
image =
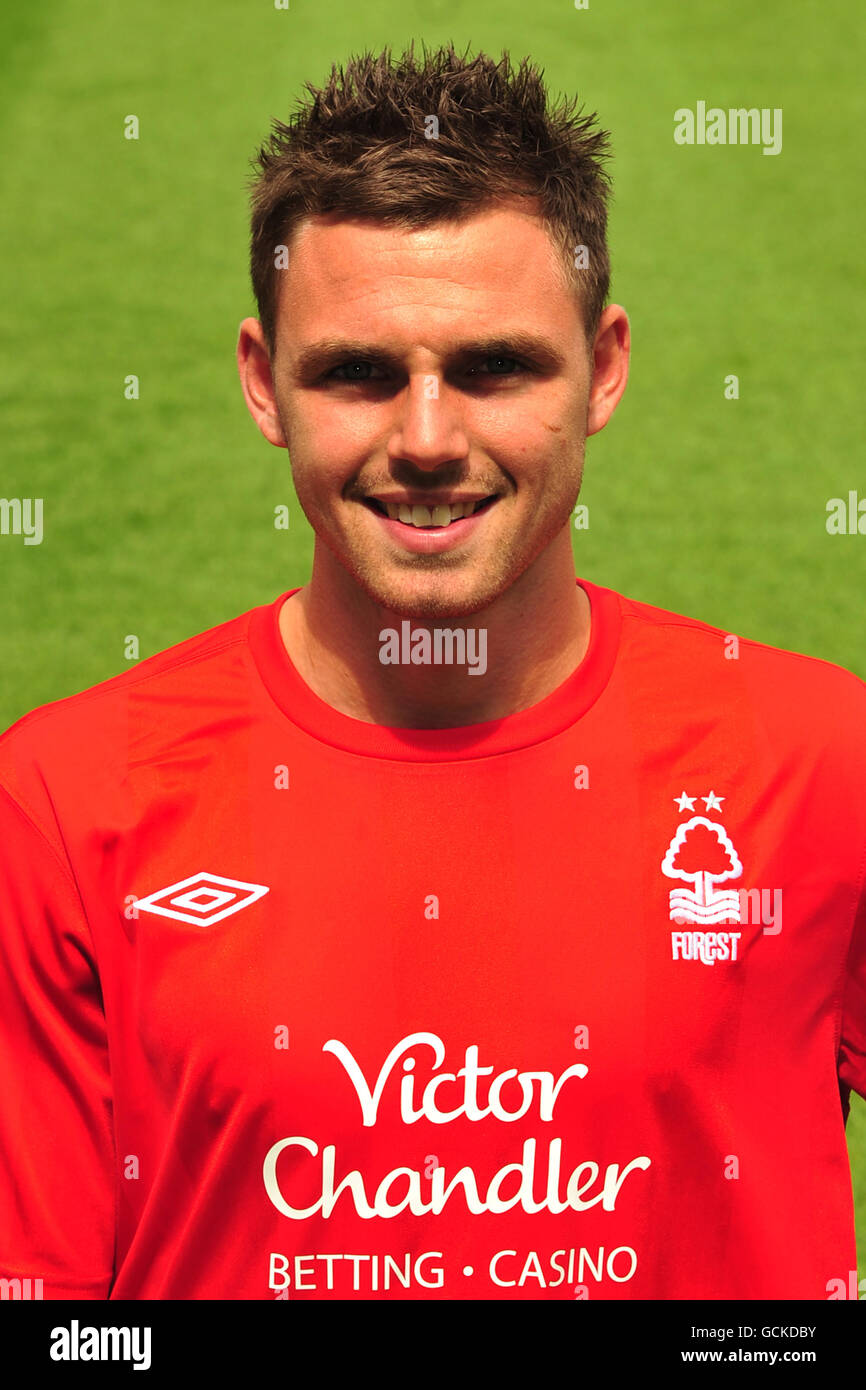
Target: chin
[{"x": 442, "y": 598}]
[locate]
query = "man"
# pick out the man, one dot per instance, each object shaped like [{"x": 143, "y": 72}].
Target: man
[{"x": 448, "y": 928}]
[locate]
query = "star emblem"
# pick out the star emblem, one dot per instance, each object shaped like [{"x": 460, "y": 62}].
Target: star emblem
[
  {"x": 713, "y": 802},
  {"x": 685, "y": 803}
]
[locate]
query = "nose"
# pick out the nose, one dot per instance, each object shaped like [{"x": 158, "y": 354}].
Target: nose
[{"x": 428, "y": 427}]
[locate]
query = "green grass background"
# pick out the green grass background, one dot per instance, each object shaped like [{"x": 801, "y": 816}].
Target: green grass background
[{"x": 121, "y": 257}]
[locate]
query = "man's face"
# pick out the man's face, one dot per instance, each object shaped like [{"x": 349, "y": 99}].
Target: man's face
[{"x": 432, "y": 369}]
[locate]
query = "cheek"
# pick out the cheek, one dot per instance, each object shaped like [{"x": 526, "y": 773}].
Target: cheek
[
  {"x": 537, "y": 428},
  {"x": 552, "y": 464},
  {"x": 560, "y": 473},
  {"x": 344, "y": 430},
  {"x": 323, "y": 451}
]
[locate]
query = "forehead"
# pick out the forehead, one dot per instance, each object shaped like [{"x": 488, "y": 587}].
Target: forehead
[{"x": 498, "y": 260}]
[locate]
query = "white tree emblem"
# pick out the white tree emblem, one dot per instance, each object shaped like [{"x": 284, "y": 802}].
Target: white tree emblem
[{"x": 702, "y": 853}]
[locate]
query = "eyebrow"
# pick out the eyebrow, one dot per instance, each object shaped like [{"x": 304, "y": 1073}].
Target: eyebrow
[{"x": 318, "y": 357}]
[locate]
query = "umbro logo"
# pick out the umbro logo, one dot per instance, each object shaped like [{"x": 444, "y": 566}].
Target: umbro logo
[{"x": 202, "y": 898}]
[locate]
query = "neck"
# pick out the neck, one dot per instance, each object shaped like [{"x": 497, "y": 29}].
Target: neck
[{"x": 522, "y": 647}]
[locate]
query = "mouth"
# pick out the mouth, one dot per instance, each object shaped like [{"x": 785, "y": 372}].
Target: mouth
[{"x": 425, "y": 518}]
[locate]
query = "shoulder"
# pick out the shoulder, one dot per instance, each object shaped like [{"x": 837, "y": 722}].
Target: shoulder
[
  {"x": 786, "y": 694},
  {"x": 92, "y": 733},
  {"x": 665, "y": 630}
]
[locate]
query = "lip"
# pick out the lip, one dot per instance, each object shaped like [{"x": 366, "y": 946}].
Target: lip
[
  {"x": 412, "y": 499},
  {"x": 431, "y": 540}
]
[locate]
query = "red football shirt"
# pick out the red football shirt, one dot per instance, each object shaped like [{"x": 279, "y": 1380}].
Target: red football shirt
[{"x": 561, "y": 1005}]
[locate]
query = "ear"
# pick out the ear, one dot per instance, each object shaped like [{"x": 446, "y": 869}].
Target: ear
[
  {"x": 610, "y": 366},
  {"x": 254, "y": 366}
]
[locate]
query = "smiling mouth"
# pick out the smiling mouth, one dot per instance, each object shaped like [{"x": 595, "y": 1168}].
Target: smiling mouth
[{"x": 433, "y": 518}]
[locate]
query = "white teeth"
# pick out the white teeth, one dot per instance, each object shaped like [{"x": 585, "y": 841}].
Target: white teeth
[{"x": 440, "y": 515}]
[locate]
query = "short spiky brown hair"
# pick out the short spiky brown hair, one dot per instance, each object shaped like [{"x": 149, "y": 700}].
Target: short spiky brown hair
[{"x": 359, "y": 147}]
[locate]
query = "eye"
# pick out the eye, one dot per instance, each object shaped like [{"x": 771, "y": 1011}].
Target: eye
[
  {"x": 358, "y": 370},
  {"x": 501, "y": 366}
]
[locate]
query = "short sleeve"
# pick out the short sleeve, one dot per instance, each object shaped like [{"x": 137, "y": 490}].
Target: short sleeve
[
  {"x": 57, "y": 1170},
  {"x": 852, "y": 1039}
]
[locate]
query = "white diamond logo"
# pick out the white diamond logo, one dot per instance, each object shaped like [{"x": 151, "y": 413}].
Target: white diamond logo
[{"x": 202, "y": 898}]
